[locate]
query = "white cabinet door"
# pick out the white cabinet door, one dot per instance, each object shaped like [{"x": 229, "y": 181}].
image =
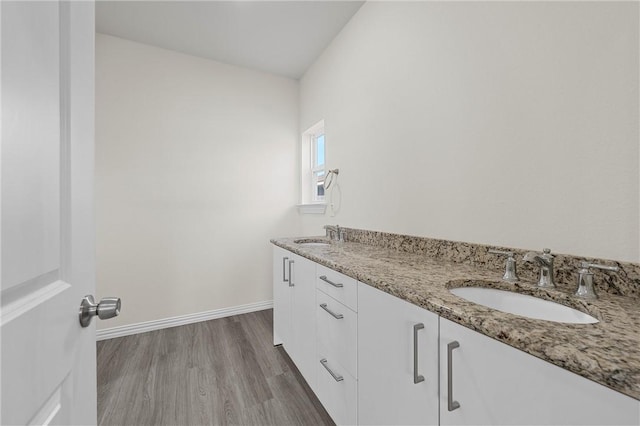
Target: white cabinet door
[
  {"x": 48, "y": 359},
  {"x": 303, "y": 351},
  {"x": 282, "y": 298},
  {"x": 387, "y": 390},
  {"x": 294, "y": 297},
  {"x": 496, "y": 384}
]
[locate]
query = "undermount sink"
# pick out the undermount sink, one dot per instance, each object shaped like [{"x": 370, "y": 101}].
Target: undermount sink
[
  {"x": 310, "y": 242},
  {"x": 523, "y": 305}
]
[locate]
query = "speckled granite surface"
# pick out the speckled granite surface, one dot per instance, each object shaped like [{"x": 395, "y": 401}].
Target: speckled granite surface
[
  {"x": 421, "y": 272},
  {"x": 625, "y": 282}
]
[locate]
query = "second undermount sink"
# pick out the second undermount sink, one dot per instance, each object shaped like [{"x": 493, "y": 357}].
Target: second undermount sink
[
  {"x": 523, "y": 305},
  {"x": 312, "y": 242}
]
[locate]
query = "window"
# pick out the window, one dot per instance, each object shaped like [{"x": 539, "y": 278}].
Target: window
[
  {"x": 317, "y": 167},
  {"x": 313, "y": 170}
]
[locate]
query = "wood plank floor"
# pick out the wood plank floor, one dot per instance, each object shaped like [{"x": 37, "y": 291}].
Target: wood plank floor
[{"x": 223, "y": 372}]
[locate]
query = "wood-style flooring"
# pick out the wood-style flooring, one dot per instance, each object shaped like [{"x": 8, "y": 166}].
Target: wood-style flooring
[{"x": 223, "y": 372}]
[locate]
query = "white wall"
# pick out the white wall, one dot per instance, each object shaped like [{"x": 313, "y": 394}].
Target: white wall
[
  {"x": 195, "y": 171},
  {"x": 504, "y": 123}
]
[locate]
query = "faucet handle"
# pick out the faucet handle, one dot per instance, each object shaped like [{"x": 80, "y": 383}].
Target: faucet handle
[
  {"x": 585, "y": 279},
  {"x": 510, "y": 273},
  {"x": 505, "y": 253},
  {"x": 587, "y": 265}
]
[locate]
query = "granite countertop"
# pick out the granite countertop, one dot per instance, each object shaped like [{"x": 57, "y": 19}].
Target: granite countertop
[{"x": 607, "y": 352}]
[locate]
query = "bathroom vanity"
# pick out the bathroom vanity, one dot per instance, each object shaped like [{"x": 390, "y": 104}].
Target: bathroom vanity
[{"x": 374, "y": 329}]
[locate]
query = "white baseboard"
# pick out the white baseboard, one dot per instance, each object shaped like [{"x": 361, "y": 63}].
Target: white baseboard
[{"x": 143, "y": 327}]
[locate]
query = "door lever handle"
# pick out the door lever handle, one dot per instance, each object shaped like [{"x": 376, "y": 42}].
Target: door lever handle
[{"x": 108, "y": 307}]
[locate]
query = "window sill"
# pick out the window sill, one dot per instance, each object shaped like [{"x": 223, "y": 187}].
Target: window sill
[{"x": 316, "y": 208}]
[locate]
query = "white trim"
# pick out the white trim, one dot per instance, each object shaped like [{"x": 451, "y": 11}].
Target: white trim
[
  {"x": 19, "y": 307},
  {"x": 65, "y": 140},
  {"x": 49, "y": 410},
  {"x": 143, "y": 327},
  {"x": 316, "y": 208},
  {"x": 318, "y": 127}
]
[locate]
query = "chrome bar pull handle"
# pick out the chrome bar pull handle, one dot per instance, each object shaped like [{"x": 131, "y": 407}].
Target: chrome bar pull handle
[
  {"x": 326, "y": 280},
  {"x": 284, "y": 269},
  {"x": 417, "y": 378},
  {"x": 333, "y": 314},
  {"x": 291, "y": 262},
  {"x": 336, "y": 377},
  {"x": 452, "y": 405}
]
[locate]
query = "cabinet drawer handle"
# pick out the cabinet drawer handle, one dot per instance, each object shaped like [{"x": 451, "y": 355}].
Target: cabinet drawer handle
[
  {"x": 452, "y": 404},
  {"x": 333, "y": 314},
  {"x": 326, "y": 280},
  {"x": 291, "y": 262},
  {"x": 336, "y": 377},
  {"x": 417, "y": 378},
  {"x": 284, "y": 273}
]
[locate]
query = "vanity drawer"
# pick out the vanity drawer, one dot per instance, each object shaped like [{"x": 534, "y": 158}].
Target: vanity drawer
[
  {"x": 339, "y": 394},
  {"x": 337, "y": 337},
  {"x": 339, "y": 286}
]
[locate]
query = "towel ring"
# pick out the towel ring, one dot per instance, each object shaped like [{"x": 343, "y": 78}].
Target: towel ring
[{"x": 330, "y": 178}]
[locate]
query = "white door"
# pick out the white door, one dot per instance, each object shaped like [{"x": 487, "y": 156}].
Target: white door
[{"x": 48, "y": 371}]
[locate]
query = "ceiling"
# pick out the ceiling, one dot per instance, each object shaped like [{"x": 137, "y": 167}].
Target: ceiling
[{"x": 280, "y": 37}]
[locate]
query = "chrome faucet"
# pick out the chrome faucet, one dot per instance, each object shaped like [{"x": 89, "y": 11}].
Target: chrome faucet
[
  {"x": 585, "y": 279},
  {"x": 510, "y": 274},
  {"x": 334, "y": 232},
  {"x": 545, "y": 261}
]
